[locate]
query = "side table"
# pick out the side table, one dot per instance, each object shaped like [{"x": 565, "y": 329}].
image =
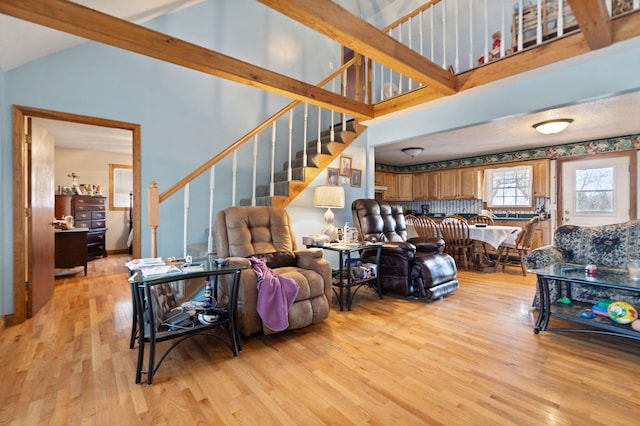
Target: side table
[
  {"x": 342, "y": 275},
  {"x": 145, "y": 292}
]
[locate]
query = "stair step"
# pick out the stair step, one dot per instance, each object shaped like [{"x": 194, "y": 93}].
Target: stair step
[
  {"x": 260, "y": 201},
  {"x": 279, "y": 188},
  {"x": 298, "y": 162},
  {"x": 297, "y": 174}
]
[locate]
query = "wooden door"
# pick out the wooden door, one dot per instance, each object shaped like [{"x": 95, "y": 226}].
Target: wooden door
[{"x": 40, "y": 201}]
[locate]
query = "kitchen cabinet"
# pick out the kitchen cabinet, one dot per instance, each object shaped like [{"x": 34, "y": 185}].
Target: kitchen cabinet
[
  {"x": 399, "y": 185},
  {"x": 405, "y": 186},
  {"x": 540, "y": 178},
  {"x": 426, "y": 186},
  {"x": 460, "y": 184}
]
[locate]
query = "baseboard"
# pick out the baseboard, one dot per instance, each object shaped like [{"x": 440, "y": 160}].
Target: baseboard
[{"x": 118, "y": 251}]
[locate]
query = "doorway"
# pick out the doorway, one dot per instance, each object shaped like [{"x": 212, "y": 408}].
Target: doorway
[
  {"x": 597, "y": 190},
  {"x": 24, "y": 262}
]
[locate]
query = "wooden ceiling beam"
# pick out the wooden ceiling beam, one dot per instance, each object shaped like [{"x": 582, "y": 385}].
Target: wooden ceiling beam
[
  {"x": 93, "y": 25},
  {"x": 330, "y": 19},
  {"x": 594, "y": 21}
]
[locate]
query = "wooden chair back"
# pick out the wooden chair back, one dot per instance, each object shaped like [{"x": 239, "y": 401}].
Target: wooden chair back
[
  {"x": 481, "y": 219},
  {"x": 426, "y": 227}
]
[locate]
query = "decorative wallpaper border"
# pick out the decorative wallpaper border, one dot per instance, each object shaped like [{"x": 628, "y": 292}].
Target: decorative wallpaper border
[{"x": 620, "y": 143}]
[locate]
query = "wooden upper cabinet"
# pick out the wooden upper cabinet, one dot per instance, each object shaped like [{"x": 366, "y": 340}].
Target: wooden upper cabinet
[
  {"x": 433, "y": 185},
  {"x": 540, "y": 178},
  {"x": 420, "y": 189},
  {"x": 391, "y": 182},
  {"x": 379, "y": 178},
  {"x": 405, "y": 186},
  {"x": 460, "y": 184}
]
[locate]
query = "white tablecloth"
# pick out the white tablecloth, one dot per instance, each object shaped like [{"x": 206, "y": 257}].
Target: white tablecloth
[{"x": 492, "y": 234}]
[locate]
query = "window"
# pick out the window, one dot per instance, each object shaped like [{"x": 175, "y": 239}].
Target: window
[
  {"x": 594, "y": 190},
  {"x": 508, "y": 187},
  {"x": 120, "y": 186}
]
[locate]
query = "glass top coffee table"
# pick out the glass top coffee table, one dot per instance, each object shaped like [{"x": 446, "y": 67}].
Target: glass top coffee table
[{"x": 564, "y": 275}]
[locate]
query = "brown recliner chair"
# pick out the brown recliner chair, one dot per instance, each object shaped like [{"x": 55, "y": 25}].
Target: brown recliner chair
[
  {"x": 266, "y": 232},
  {"x": 408, "y": 266}
]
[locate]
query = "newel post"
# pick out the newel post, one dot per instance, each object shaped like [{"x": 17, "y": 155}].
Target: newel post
[{"x": 154, "y": 216}]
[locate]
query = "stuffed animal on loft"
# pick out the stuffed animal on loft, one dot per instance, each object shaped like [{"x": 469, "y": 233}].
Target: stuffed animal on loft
[{"x": 494, "y": 53}]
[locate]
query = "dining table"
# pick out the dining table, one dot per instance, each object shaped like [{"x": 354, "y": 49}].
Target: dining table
[{"x": 493, "y": 235}]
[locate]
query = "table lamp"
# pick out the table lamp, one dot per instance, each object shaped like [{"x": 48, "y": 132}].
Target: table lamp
[{"x": 327, "y": 197}]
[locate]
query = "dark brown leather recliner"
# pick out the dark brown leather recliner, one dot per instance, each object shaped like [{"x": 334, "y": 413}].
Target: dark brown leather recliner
[{"x": 408, "y": 266}]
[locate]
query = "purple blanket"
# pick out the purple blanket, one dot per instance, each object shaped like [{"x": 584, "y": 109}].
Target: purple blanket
[{"x": 276, "y": 294}]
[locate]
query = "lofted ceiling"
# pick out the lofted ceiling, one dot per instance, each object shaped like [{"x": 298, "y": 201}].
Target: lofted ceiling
[{"x": 22, "y": 42}]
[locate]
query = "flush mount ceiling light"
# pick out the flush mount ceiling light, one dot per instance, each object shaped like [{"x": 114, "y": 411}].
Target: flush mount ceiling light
[
  {"x": 551, "y": 127},
  {"x": 413, "y": 151}
]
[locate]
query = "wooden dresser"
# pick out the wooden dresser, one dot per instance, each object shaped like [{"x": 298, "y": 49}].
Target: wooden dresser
[{"x": 88, "y": 212}]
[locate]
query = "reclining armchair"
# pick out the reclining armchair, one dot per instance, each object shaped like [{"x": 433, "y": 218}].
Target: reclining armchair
[
  {"x": 408, "y": 266},
  {"x": 266, "y": 232}
]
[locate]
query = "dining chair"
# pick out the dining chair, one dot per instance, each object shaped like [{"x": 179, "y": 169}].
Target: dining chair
[
  {"x": 481, "y": 218},
  {"x": 487, "y": 220},
  {"x": 426, "y": 227},
  {"x": 455, "y": 233},
  {"x": 455, "y": 217},
  {"x": 513, "y": 253}
]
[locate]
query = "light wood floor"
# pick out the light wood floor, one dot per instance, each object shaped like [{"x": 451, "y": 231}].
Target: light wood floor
[{"x": 470, "y": 358}]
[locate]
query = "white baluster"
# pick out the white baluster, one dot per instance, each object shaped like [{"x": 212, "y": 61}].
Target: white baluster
[
  {"x": 234, "y": 177},
  {"x": 344, "y": 93},
  {"x": 410, "y": 47},
  {"x": 318, "y": 142},
  {"x": 457, "y": 59},
  {"x": 212, "y": 186},
  {"x": 273, "y": 160},
  {"x": 502, "y": 31},
  {"x": 185, "y": 220},
  {"x": 444, "y": 34},
  {"x": 399, "y": 75},
  {"x": 486, "y": 33},
  {"x": 304, "y": 136},
  {"x": 560, "y": 25},
  {"x": 289, "y": 171},
  {"x": 520, "y": 31},
  {"x": 432, "y": 37},
  {"x": 636, "y": 4},
  {"x": 381, "y": 82},
  {"x": 332, "y": 134},
  {"x": 539, "y": 23},
  {"x": 471, "y": 61},
  {"x": 255, "y": 170}
]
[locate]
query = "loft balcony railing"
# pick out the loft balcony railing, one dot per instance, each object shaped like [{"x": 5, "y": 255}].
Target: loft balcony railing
[{"x": 458, "y": 35}]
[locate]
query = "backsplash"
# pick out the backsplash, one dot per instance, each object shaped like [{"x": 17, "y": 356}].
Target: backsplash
[{"x": 462, "y": 206}]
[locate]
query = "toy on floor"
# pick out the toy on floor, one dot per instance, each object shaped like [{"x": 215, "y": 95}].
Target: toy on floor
[{"x": 622, "y": 312}]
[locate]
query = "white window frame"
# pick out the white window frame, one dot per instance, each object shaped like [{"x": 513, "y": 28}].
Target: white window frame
[{"x": 491, "y": 184}]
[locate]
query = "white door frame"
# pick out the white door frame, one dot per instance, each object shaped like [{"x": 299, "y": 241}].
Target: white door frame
[{"x": 633, "y": 181}]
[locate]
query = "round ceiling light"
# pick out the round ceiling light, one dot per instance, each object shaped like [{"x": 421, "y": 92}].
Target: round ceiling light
[{"x": 551, "y": 127}]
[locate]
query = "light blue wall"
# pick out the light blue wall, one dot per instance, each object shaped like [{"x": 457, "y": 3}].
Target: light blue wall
[{"x": 186, "y": 117}]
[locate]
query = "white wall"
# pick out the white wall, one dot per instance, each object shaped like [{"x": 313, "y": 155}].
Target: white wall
[{"x": 93, "y": 168}]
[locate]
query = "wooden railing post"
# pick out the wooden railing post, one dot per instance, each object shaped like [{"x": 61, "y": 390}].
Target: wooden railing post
[{"x": 154, "y": 216}]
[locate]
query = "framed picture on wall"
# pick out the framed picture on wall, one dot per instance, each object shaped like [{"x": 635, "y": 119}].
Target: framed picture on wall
[
  {"x": 332, "y": 176},
  {"x": 345, "y": 166},
  {"x": 356, "y": 178}
]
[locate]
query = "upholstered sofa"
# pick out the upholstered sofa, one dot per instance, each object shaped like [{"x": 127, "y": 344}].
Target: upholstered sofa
[
  {"x": 408, "y": 266},
  {"x": 266, "y": 232},
  {"x": 607, "y": 246}
]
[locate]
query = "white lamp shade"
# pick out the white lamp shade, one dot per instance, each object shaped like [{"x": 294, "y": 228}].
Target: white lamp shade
[{"x": 329, "y": 196}]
